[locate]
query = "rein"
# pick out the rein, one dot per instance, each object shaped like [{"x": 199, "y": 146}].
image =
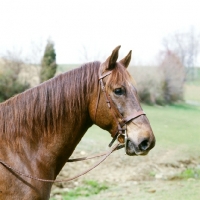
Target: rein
[
  {"x": 115, "y": 147},
  {"x": 121, "y": 130}
]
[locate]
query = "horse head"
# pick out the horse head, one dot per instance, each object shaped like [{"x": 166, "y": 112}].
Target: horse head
[{"x": 117, "y": 109}]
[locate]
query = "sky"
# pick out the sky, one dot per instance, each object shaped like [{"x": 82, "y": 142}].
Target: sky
[{"x": 93, "y": 28}]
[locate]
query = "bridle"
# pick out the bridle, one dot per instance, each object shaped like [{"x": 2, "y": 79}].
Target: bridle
[{"x": 121, "y": 129}]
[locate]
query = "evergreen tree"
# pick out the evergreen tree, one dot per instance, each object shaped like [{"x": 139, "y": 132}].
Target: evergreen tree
[{"x": 48, "y": 63}]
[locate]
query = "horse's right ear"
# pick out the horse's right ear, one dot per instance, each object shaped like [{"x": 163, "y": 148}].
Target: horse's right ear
[{"x": 112, "y": 59}]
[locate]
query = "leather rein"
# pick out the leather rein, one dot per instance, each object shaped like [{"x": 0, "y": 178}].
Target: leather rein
[{"x": 121, "y": 131}]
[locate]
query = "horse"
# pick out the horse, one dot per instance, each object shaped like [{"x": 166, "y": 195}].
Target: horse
[{"x": 41, "y": 127}]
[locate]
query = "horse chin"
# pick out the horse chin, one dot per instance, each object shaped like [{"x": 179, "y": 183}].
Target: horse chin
[{"x": 130, "y": 153}]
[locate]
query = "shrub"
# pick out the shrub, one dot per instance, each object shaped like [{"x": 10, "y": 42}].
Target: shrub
[
  {"x": 149, "y": 84},
  {"x": 173, "y": 77},
  {"x": 10, "y": 83},
  {"x": 163, "y": 84}
]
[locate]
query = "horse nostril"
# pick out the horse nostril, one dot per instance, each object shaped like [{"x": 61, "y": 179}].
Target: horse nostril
[{"x": 144, "y": 145}]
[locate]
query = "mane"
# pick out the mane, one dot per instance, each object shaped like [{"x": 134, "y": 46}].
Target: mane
[{"x": 39, "y": 111}]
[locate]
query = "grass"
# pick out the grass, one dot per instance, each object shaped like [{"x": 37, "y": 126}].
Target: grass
[
  {"x": 167, "y": 190},
  {"x": 179, "y": 118},
  {"x": 192, "y": 92},
  {"x": 190, "y": 173},
  {"x": 66, "y": 67},
  {"x": 196, "y": 80},
  {"x": 88, "y": 188},
  {"x": 192, "y": 89}
]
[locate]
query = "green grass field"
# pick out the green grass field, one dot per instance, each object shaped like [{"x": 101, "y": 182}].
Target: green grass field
[{"x": 176, "y": 125}]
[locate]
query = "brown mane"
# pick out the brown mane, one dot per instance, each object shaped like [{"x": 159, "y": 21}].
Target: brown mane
[{"x": 38, "y": 111}]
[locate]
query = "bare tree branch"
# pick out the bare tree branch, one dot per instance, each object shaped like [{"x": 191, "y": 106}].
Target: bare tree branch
[{"x": 186, "y": 45}]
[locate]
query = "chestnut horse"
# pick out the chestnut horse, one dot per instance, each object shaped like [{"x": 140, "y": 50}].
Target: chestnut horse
[{"x": 40, "y": 128}]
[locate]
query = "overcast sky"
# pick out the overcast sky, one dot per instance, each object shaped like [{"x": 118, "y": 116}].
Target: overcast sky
[{"x": 96, "y": 25}]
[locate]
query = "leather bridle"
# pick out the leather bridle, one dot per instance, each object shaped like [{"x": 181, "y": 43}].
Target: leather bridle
[{"x": 121, "y": 129}]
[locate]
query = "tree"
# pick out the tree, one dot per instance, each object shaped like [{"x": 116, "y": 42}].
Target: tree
[
  {"x": 48, "y": 63},
  {"x": 186, "y": 45},
  {"x": 173, "y": 77}
]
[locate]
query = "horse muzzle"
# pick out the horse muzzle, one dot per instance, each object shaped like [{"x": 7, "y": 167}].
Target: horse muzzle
[
  {"x": 132, "y": 148},
  {"x": 139, "y": 144}
]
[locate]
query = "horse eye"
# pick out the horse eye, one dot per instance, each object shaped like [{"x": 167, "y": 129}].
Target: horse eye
[{"x": 119, "y": 91}]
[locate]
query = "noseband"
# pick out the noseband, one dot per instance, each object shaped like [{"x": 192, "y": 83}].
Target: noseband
[{"x": 121, "y": 129}]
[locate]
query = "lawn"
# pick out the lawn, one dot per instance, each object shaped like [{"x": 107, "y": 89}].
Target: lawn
[{"x": 176, "y": 125}]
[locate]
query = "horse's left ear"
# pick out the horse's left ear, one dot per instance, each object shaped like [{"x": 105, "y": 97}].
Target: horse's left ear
[
  {"x": 112, "y": 59},
  {"x": 125, "y": 61}
]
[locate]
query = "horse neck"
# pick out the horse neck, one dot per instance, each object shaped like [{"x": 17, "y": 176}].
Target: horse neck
[
  {"x": 77, "y": 89},
  {"x": 52, "y": 117}
]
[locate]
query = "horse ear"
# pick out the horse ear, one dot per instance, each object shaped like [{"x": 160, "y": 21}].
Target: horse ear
[
  {"x": 125, "y": 61},
  {"x": 111, "y": 60}
]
